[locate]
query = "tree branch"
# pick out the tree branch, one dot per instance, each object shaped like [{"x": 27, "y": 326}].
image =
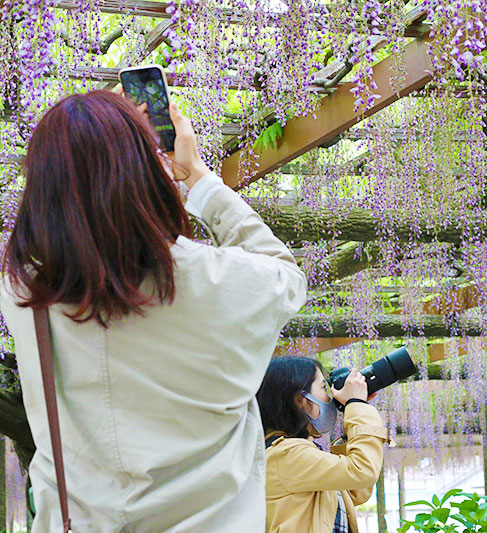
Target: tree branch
[
  {"x": 318, "y": 325},
  {"x": 152, "y": 40},
  {"x": 8, "y": 360},
  {"x": 100, "y": 47},
  {"x": 13, "y": 424},
  {"x": 352, "y": 259},
  {"x": 302, "y": 224}
]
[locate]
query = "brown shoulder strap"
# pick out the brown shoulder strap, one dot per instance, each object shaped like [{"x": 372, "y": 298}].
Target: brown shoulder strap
[{"x": 41, "y": 321}]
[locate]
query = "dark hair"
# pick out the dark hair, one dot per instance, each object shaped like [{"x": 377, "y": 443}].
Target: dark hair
[
  {"x": 99, "y": 212},
  {"x": 285, "y": 378}
]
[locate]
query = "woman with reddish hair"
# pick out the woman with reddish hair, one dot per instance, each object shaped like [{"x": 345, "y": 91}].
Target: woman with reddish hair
[{"x": 159, "y": 343}]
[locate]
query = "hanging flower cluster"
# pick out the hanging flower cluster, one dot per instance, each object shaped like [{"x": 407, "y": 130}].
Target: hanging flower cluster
[
  {"x": 289, "y": 57},
  {"x": 266, "y": 55},
  {"x": 358, "y": 23},
  {"x": 29, "y": 25},
  {"x": 460, "y": 32}
]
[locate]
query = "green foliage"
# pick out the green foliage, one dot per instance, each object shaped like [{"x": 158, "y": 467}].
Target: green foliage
[
  {"x": 446, "y": 516},
  {"x": 268, "y": 138},
  {"x": 234, "y": 102}
]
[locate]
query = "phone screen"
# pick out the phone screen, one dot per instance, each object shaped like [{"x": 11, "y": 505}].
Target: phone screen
[{"x": 147, "y": 85}]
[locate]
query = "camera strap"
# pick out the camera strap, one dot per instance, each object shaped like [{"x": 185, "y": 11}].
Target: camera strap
[
  {"x": 41, "y": 321},
  {"x": 270, "y": 440}
]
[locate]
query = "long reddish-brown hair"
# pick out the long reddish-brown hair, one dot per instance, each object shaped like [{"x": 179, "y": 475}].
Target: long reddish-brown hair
[{"x": 99, "y": 212}]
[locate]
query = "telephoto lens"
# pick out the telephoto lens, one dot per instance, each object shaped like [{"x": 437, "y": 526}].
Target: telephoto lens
[{"x": 384, "y": 372}]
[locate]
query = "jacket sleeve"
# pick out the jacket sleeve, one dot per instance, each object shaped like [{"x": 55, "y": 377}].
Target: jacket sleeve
[
  {"x": 360, "y": 496},
  {"x": 235, "y": 224},
  {"x": 306, "y": 468}
]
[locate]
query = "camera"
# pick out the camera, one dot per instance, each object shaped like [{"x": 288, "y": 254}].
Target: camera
[{"x": 384, "y": 372}]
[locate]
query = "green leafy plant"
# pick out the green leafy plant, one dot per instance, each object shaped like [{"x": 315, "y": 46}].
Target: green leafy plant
[
  {"x": 470, "y": 514},
  {"x": 268, "y": 138}
]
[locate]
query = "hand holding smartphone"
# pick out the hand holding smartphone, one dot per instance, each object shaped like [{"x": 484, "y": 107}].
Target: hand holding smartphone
[{"x": 148, "y": 85}]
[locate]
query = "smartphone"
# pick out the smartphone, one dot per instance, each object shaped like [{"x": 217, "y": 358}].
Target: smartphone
[{"x": 148, "y": 84}]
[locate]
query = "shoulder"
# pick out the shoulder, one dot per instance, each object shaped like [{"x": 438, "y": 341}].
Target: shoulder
[
  {"x": 9, "y": 294},
  {"x": 285, "y": 446},
  {"x": 5, "y": 285},
  {"x": 12, "y": 292},
  {"x": 189, "y": 254},
  {"x": 18, "y": 318}
]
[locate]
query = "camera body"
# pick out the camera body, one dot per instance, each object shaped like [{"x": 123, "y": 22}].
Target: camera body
[{"x": 380, "y": 374}]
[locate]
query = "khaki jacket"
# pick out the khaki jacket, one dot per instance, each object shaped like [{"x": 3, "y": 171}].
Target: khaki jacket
[
  {"x": 160, "y": 427},
  {"x": 302, "y": 481}
]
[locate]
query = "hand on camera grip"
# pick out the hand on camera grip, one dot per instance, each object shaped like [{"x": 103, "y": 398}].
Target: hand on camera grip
[{"x": 355, "y": 386}]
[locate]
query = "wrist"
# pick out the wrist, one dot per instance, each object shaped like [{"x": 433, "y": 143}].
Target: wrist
[
  {"x": 196, "y": 172},
  {"x": 353, "y": 400}
]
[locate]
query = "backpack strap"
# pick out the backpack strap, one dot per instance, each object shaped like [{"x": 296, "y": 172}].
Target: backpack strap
[{"x": 41, "y": 321}]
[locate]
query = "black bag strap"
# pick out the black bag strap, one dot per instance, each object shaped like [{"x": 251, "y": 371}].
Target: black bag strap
[
  {"x": 270, "y": 440},
  {"x": 41, "y": 321}
]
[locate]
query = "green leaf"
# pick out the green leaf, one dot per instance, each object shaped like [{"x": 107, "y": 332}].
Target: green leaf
[
  {"x": 470, "y": 495},
  {"x": 467, "y": 523},
  {"x": 442, "y": 514},
  {"x": 436, "y": 500},
  {"x": 268, "y": 138},
  {"x": 419, "y": 502},
  {"x": 449, "y": 494},
  {"x": 405, "y": 527},
  {"x": 275, "y": 132},
  {"x": 421, "y": 518},
  {"x": 467, "y": 506}
]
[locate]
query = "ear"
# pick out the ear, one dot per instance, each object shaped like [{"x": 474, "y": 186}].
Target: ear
[{"x": 299, "y": 400}]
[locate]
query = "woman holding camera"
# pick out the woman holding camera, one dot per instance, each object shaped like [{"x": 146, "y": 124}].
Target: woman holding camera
[
  {"x": 159, "y": 343},
  {"x": 309, "y": 490}
]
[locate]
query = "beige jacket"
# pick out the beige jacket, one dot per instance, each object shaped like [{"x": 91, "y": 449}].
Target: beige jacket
[
  {"x": 302, "y": 481},
  {"x": 160, "y": 427}
]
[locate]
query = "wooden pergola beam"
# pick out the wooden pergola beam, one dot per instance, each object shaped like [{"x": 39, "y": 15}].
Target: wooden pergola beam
[
  {"x": 334, "y": 115},
  {"x": 141, "y": 8},
  {"x": 414, "y": 27},
  {"x": 440, "y": 351},
  {"x": 149, "y": 8},
  {"x": 110, "y": 74}
]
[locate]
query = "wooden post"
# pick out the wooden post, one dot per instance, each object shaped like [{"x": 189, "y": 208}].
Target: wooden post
[
  {"x": 381, "y": 503},
  {"x": 400, "y": 483},
  {"x": 3, "y": 506}
]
